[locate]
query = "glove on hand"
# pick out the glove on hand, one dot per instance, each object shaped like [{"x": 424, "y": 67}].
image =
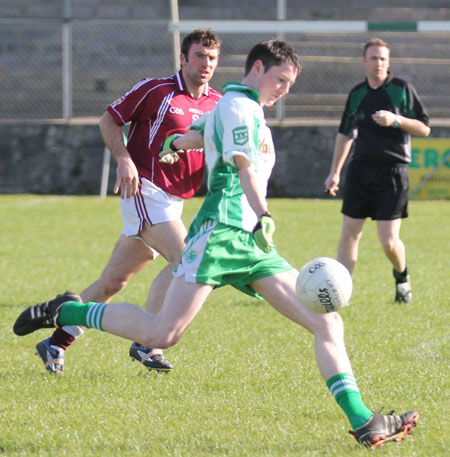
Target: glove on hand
[
  {"x": 168, "y": 152},
  {"x": 263, "y": 232}
]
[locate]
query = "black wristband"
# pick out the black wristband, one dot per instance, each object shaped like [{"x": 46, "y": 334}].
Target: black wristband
[
  {"x": 172, "y": 146},
  {"x": 258, "y": 224}
]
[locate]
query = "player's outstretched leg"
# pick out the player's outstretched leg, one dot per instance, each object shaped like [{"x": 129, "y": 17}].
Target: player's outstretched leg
[
  {"x": 381, "y": 428},
  {"x": 144, "y": 355},
  {"x": 43, "y": 315}
]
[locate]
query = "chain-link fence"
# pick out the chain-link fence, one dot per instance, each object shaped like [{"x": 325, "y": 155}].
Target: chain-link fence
[{"x": 76, "y": 67}]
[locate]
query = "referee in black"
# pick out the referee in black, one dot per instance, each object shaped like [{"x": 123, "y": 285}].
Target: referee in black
[{"x": 380, "y": 116}]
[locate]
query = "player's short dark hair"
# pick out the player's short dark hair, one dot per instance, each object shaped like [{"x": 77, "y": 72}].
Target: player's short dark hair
[
  {"x": 375, "y": 42},
  {"x": 204, "y": 36},
  {"x": 272, "y": 53}
]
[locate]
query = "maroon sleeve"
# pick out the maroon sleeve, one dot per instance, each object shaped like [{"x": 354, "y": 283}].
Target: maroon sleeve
[{"x": 132, "y": 105}]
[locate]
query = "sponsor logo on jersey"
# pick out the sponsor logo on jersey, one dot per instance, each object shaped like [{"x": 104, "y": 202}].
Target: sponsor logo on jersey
[
  {"x": 240, "y": 135},
  {"x": 266, "y": 146},
  {"x": 176, "y": 110},
  {"x": 195, "y": 110}
]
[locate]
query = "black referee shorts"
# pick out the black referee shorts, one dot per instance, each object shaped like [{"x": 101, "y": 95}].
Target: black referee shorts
[{"x": 376, "y": 191}]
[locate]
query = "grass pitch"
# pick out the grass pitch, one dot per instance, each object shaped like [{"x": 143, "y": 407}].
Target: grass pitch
[{"x": 245, "y": 382}]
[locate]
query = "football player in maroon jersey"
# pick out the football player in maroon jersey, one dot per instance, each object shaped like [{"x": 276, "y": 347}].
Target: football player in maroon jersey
[{"x": 152, "y": 192}]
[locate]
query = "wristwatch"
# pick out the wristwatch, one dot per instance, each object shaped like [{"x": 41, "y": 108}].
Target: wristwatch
[{"x": 397, "y": 122}]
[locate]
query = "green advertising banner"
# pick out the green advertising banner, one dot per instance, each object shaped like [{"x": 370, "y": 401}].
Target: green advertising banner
[{"x": 429, "y": 170}]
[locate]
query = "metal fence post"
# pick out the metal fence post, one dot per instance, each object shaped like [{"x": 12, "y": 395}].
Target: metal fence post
[
  {"x": 281, "y": 16},
  {"x": 105, "y": 172},
  {"x": 175, "y": 34},
  {"x": 67, "y": 61}
]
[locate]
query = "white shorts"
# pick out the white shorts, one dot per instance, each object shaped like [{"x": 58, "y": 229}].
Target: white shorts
[{"x": 152, "y": 205}]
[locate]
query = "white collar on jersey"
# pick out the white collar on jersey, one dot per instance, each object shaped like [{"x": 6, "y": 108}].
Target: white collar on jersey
[{"x": 180, "y": 82}]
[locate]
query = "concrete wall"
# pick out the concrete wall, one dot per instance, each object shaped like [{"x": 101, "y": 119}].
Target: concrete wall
[
  {"x": 50, "y": 159},
  {"x": 67, "y": 159}
]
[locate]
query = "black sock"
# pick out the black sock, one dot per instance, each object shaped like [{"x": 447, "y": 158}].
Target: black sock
[{"x": 400, "y": 277}]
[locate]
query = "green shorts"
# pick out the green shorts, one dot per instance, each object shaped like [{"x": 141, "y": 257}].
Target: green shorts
[{"x": 221, "y": 255}]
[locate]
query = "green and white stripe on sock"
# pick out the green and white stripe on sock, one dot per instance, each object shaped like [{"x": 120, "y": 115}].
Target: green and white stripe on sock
[
  {"x": 85, "y": 314},
  {"x": 94, "y": 316},
  {"x": 345, "y": 390},
  {"x": 343, "y": 383}
]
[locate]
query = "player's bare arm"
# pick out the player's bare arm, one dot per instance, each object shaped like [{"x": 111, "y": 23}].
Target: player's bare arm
[
  {"x": 342, "y": 148},
  {"x": 127, "y": 175},
  {"x": 265, "y": 227},
  {"x": 191, "y": 140},
  {"x": 249, "y": 185}
]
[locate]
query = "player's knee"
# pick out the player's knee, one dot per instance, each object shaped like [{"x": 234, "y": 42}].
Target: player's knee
[
  {"x": 113, "y": 284},
  {"x": 113, "y": 288},
  {"x": 331, "y": 325},
  {"x": 351, "y": 235},
  {"x": 388, "y": 244}
]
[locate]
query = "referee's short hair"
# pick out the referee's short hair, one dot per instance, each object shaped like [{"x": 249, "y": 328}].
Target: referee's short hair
[{"x": 375, "y": 42}]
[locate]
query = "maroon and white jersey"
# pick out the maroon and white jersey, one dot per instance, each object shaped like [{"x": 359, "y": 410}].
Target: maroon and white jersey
[{"x": 155, "y": 106}]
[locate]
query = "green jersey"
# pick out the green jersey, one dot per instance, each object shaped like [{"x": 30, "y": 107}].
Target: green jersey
[{"x": 235, "y": 127}]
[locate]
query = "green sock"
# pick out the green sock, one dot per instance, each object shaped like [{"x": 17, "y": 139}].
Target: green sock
[
  {"x": 400, "y": 276},
  {"x": 86, "y": 314},
  {"x": 345, "y": 390}
]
